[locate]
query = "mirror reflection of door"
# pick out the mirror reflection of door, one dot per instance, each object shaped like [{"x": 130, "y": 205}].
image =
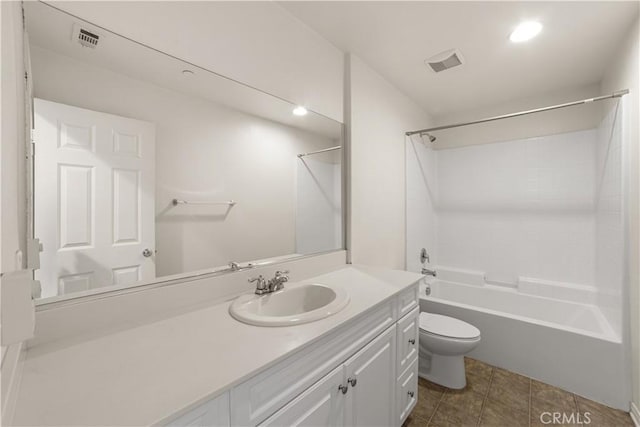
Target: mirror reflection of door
[{"x": 94, "y": 198}]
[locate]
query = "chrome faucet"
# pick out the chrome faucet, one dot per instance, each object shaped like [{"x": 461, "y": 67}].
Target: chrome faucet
[
  {"x": 429, "y": 272},
  {"x": 267, "y": 286},
  {"x": 424, "y": 257},
  {"x": 278, "y": 281}
]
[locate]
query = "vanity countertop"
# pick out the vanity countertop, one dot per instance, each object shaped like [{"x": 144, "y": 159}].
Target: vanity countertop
[{"x": 143, "y": 375}]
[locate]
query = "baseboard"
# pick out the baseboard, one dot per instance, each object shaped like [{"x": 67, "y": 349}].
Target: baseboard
[{"x": 635, "y": 414}]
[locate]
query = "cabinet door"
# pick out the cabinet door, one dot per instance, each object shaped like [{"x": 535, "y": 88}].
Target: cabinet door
[
  {"x": 321, "y": 405},
  {"x": 371, "y": 380},
  {"x": 214, "y": 413}
]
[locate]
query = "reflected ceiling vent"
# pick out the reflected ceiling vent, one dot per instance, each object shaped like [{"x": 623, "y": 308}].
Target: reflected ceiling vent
[
  {"x": 87, "y": 38},
  {"x": 445, "y": 60}
]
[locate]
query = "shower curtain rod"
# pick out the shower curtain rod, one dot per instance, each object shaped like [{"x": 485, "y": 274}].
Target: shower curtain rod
[
  {"x": 337, "y": 147},
  {"x": 616, "y": 94}
]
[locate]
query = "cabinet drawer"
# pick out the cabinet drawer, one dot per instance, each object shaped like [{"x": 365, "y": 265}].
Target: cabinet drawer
[
  {"x": 261, "y": 396},
  {"x": 214, "y": 413},
  {"x": 321, "y": 405},
  {"x": 407, "y": 300},
  {"x": 408, "y": 334},
  {"x": 407, "y": 392}
]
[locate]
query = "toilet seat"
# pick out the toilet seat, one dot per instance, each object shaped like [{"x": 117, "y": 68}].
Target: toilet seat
[{"x": 448, "y": 327}]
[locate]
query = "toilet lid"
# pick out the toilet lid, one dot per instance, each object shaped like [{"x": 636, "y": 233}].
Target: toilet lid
[{"x": 447, "y": 326}]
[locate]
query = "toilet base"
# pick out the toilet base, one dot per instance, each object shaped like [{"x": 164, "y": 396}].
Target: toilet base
[{"x": 447, "y": 371}]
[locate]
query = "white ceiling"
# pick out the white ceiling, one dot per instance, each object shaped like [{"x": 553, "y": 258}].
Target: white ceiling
[{"x": 574, "y": 47}]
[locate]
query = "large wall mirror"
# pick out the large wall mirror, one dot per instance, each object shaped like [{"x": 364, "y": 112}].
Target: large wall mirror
[{"x": 147, "y": 167}]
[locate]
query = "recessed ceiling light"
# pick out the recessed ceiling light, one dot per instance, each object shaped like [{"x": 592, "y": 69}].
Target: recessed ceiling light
[
  {"x": 300, "y": 111},
  {"x": 525, "y": 31}
]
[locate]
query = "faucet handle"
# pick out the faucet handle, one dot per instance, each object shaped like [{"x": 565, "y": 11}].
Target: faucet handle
[
  {"x": 282, "y": 275},
  {"x": 256, "y": 279},
  {"x": 261, "y": 287}
]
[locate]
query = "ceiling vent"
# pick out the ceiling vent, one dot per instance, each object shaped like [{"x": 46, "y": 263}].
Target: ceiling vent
[
  {"x": 87, "y": 38},
  {"x": 445, "y": 60}
]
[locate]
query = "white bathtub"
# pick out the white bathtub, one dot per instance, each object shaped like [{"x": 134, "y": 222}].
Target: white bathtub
[{"x": 567, "y": 344}]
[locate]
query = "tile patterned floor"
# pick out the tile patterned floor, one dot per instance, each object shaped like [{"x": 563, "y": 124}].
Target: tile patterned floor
[{"x": 498, "y": 398}]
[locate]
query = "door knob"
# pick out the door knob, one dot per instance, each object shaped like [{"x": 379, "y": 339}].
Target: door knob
[{"x": 147, "y": 253}]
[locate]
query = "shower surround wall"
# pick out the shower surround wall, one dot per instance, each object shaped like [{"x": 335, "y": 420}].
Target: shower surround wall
[
  {"x": 610, "y": 233},
  {"x": 520, "y": 208},
  {"x": 547, "y": 208}
]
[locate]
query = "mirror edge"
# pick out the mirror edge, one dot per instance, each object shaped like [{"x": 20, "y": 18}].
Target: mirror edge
[{"x": 100, "y": 293}]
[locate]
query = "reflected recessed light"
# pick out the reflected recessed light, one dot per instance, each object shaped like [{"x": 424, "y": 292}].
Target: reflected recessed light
[
  {"x": 300, "y": 111},
  {"x": 525, "y": 31},
  {"x": 188, "y": 72}
]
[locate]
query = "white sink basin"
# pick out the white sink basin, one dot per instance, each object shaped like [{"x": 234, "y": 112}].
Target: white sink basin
[{"x": 292, "y": 305}]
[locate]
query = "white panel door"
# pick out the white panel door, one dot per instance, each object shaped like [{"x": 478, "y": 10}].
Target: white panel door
[
  {"x": 371, "y": 379},
  {"x": 94, "y": 198}
]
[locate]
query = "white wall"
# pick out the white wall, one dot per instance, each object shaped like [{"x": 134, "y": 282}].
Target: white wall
[
  {"x": 624, "y": 73},
  {"x": 203, "y": 151},
  {"x": 13, "y": 199},
  {"x": 12, "y": 181},
  {"x": 379, "y": 117},
  {"x": 521, "y": 208},
  {"x": 422, "y": 196},
  {"x": 256, "y": 43}
]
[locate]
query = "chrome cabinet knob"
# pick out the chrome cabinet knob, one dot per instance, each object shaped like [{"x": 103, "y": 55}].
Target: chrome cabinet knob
[
  {"x": 411, "y": 394},
  {"x": 412, "y": 341},
  {"x": 343, "y": 388},
  {"x": 147, "y": 253},
  {"x": 352, "y": 381}
]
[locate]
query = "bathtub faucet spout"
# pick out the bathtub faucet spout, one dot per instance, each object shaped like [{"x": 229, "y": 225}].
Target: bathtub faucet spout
[{"x": 429, "y": 272}]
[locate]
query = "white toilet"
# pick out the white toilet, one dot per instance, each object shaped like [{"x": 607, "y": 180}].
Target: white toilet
[{"x": 443, "y": 343}]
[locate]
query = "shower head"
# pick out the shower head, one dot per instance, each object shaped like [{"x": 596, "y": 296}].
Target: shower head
[{"x": 431, "y": 137}]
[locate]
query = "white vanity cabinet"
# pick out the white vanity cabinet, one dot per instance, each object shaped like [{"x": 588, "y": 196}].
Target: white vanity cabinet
[
  {"x": 362, "y": 374},
  {"x": 357, "y": 393}
]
